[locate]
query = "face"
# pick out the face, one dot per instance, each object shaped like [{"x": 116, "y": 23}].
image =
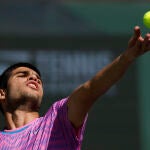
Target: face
[{"x": 24, "y": 87}]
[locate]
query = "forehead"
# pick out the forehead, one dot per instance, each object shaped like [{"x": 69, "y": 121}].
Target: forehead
[{"x": 23, "y": 69}]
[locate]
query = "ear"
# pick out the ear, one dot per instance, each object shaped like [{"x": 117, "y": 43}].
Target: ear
[{"x": 2, "y": 95}]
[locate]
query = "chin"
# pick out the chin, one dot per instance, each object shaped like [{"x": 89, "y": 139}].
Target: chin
[{"x": 31, "y": 97}]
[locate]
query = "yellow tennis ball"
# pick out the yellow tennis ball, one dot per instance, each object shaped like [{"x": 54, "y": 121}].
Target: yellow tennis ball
[{"x": 146, "y": 19}]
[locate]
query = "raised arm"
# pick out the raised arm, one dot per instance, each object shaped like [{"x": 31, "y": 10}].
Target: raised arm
[{"x": 82, "y": 98}]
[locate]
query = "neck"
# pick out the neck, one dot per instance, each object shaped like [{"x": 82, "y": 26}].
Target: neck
[{"x": 19, "y": 118}]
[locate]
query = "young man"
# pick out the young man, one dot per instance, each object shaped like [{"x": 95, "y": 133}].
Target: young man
[{"x": 62, "y": 127}]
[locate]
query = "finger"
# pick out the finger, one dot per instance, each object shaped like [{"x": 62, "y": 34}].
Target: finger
[
  {"x": 134, "y": 38},
  {"x": 146, "y": 43},
  {"x": 139, "y": 43},
  {"x": 137, "y": 32}
]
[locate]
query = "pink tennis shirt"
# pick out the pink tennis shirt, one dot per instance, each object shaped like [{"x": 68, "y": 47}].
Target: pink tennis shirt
[{"x": 53, "y": 131}]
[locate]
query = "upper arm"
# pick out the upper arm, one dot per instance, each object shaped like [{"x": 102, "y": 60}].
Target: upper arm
[{"x": 79, "y": 103}]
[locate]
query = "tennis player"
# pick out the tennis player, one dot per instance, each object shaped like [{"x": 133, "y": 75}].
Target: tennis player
[{"x": 63, "y": 125}]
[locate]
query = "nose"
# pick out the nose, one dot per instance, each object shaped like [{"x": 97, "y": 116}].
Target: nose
[{"x": 33, "y": 77}]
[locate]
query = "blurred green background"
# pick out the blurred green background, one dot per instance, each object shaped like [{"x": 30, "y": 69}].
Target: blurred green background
[{"x": 69, "y": 41}]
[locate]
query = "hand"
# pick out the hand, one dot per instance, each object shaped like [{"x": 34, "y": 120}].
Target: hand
[{"x": 137, "y": 44}]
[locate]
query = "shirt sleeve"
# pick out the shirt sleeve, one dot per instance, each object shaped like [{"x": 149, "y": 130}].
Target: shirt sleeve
[{"x": 60, "y": 108}]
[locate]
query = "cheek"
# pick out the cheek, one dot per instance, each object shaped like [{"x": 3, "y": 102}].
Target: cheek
[
  {"x": 12, "y": 90},
  {"x": 14, "y": 87},
  {"x": 41, "y": 92}
]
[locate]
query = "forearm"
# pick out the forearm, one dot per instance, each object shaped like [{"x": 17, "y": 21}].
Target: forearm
[{"x": 107, "y": 77}]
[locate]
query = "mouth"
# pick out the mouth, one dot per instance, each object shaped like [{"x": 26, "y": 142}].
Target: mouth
[{"x": 33, "y": 85}]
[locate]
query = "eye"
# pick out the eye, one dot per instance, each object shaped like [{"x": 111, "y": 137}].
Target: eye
[{"x": 22, "y": 74}]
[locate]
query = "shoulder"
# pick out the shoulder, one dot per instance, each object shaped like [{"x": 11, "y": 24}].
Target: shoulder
[{"x": 57, "y": 106}]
